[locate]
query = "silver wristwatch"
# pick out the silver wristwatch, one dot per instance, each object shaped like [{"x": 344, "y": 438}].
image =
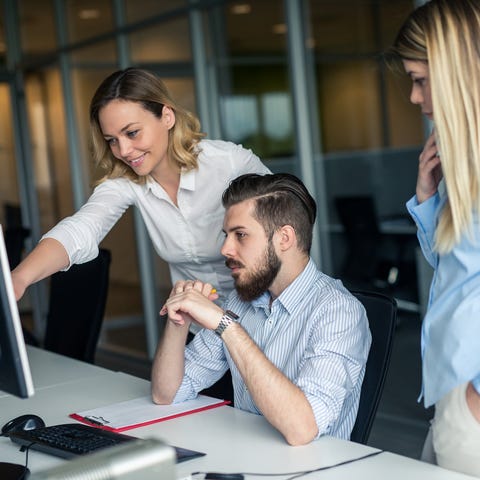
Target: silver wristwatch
[{"x": 227, "y": 318}]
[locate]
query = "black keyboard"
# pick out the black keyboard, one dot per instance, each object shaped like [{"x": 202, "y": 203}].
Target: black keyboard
[{"x": 73, "y": 439}]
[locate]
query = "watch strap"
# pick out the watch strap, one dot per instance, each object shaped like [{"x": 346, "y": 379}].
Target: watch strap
[{"x": 227, "y": 318}]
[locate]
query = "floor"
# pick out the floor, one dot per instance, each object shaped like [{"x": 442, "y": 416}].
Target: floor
[{"x": 401, "y": 423}]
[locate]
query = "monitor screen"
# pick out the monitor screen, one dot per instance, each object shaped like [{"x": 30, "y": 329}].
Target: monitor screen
[{"x": 15, "y": 376}]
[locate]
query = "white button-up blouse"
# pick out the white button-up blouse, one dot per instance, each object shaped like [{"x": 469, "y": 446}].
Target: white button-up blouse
[{"x": 189, "y": 237}]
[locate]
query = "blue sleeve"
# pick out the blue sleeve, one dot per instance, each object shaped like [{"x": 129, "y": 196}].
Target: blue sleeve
[
  {"x": 425, "y": 216},
  {"x": 205, "y": 363},
  {"x": 334, "y": 366}
]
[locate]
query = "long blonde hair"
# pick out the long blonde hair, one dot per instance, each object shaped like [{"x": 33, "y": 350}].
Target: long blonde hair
[
  {"x": 446, "y": 35},
  {"x": 145, "y": 88}
]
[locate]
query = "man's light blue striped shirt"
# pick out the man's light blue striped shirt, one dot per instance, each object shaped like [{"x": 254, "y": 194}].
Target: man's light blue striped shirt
[{"x": 315, "y": 332}]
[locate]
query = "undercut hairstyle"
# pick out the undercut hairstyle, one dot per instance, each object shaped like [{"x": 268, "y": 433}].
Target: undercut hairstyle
[
  {"x": 146, "y": 89},
  {"x": 280, "y": 199},
  {"x": 445, "y": 34}
]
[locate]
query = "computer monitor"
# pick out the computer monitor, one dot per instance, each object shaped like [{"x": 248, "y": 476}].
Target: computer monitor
[
  {"x": 145, "y": 459},
  {"x": 15, "y": 375}
]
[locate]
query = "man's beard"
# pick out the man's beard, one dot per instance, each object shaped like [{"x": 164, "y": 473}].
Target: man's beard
[{"x": 257, "y": 282}]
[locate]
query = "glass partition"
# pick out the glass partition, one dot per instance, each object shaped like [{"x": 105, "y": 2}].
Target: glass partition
[
  {"x": 37, "y": 28},
  {"x": 9, "y": 195},
  {"x": 150, "y": 8},
  {"x": 88, "y": 19},
  {"x": 46, "y": 116},
  {"x": 250, "y": 55},
  {"x": 168, "y": 42},
  {"x": 369, "y": 132},
  {"x": 367, "y": 128}
]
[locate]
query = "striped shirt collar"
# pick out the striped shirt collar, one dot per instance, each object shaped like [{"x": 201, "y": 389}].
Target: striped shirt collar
[{"x": 290, "y": 297}]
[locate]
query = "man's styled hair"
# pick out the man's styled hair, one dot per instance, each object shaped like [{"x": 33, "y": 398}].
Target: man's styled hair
[
  {"x": 445, "y": 34},
  {"x": 146, "y": 89},
  {"x": 280, "y": 199}
]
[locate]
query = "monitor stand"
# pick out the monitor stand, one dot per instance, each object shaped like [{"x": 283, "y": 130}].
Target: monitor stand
[{"x": 13, "y": 471}]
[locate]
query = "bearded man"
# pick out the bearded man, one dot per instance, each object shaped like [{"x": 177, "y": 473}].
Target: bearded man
[{"x": 295, "y": 340}]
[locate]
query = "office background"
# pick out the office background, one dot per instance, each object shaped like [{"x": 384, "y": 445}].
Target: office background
[{"x": 300, "y": 82}]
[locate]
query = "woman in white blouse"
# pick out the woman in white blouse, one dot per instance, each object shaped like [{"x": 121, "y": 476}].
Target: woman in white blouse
[{"x": 153, "y": 156}]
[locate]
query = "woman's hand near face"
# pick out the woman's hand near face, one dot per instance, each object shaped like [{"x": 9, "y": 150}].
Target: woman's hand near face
[{"x": 429, "y": 170}]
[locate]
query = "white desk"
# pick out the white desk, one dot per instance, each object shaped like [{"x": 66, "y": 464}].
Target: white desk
[
  {"x": 49, "y": 370},
  {"x": 234, "y": 441}
]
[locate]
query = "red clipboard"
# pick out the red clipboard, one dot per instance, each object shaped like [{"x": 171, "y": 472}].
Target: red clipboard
[{"x": 140, "y": 412}]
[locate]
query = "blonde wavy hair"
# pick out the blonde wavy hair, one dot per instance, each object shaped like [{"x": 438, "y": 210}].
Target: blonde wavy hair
[
  {"x": 143, "y": 87},
  {"x": 445, "y": 34}
]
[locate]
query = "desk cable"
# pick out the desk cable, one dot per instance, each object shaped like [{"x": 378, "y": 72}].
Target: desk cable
[
  {"x": 26, "y": 449},
  {"x": 289, "y": 475}
]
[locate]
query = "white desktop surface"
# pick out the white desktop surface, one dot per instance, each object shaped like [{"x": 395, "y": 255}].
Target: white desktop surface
[
  {"x": 49, "y": 370},
  {"x": 235, "y": 441}
]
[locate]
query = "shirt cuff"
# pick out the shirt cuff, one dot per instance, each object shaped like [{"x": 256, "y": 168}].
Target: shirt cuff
[
  {"x": 412, "y": 203},
  {"x": 424, "y": 213}
]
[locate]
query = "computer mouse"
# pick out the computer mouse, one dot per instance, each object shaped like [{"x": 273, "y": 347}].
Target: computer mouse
[{"x": 28, "y": 421}]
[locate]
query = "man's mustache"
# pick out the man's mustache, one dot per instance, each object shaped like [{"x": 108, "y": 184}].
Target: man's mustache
[{"x": 230, "y": 263}]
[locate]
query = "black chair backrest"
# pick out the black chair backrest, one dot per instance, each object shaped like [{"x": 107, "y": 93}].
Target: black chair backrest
[
  {"x": 358, "y": 217},
  {"x": 15, "y": 243},
  {"x": 15, "y": 233},
  {"x": 382, "y": 313},
  {"x": 77, "y": 306}
]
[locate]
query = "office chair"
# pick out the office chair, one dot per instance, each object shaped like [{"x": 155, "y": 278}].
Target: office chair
[
  {"x": 222, "y": 389},
  {"x": 15, "y": 233},
  {"x": 371, "y": 263},
  {"x": 76, "y": 308},
  {"x": 15, "y": 243},
  {"x": 381, "y": 312},
  {"x": 358, "y": 217}
]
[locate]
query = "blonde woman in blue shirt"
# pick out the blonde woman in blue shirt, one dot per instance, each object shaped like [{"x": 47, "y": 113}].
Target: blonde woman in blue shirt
[
  {"x": 438, "y": 45},
  {"x": 153, "y": 156}
]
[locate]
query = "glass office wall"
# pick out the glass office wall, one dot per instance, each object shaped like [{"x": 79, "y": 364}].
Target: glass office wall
[
  {"x": 367, "y": 129},
  {"x": 353, "y": 83},
  {"x": 255, "y": 100},
  {"x": 170, "y": 43},
  {"x": 87, "y": 19},
  {"x": 9, "y": 194},
  {"x": 46, "y": 115},
  {"x": 37, "y": 28},
  {"x": 150, "y": 8}
]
